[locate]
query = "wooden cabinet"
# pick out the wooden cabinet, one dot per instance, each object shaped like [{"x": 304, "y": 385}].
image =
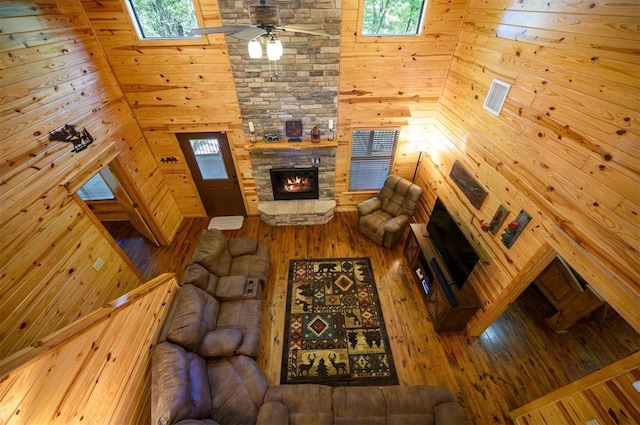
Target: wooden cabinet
[
  {"x": 450, "y": 308},
  {"x": 570, "y": 295}
]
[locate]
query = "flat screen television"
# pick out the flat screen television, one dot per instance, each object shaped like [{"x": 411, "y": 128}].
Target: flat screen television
[{"x": 454, "y": 248}]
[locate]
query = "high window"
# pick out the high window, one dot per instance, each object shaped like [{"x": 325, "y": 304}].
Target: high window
[
  {"x": 372, "y": 154},
  {"x": 163, "y": 18},
  {"x": 95, "y": 189},
  {"x": 392, "y": 17}
]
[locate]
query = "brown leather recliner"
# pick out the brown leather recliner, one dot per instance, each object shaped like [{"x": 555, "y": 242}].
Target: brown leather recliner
[{"x": 384, "y": 217}]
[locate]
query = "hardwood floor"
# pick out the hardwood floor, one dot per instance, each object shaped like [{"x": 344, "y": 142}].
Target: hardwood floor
[{"x": 517, "y": 359}]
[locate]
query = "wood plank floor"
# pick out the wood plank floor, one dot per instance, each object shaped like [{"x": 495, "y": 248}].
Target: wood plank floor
[{"x": 517, "y": 360}]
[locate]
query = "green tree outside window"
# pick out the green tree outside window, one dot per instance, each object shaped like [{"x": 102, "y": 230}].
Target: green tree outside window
[
  {"x": 392, "y": 17},
  {"x": 164, "y": 18}
]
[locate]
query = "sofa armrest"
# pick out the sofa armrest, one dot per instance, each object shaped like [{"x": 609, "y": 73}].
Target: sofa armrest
[
  {"x": 273, "y": 413},
  {"x": 396, "y": 224},
  {"x": 239, "y": 287},
  {"x": 221, "y": 342},
  {"x": 242, "y": 246},
  {"x": 369, "y": 206},
  {"x": 450, "y": 413}
]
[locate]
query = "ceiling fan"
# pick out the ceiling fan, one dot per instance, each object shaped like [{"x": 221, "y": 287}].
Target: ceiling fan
[{"x": 264, "y": 21}]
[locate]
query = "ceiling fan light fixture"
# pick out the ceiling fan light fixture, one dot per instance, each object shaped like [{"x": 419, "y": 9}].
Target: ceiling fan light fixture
[
  {"x": 274, "y": 49},
  {"x": 255, "y": 50}
]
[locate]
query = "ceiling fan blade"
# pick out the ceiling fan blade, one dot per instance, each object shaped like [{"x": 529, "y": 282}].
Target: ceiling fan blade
[
  {"x": 248, "y": 33},
  {"x": 217, "y": 30},
  {"x": 302, "y": 30}
]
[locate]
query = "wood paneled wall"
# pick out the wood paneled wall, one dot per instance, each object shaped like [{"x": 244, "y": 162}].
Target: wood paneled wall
[
  {"x": 53, "y": 72},
  {"x": 94, "y": 371},
  {"x": 187, "y": 86},
  {"x": 564, "y": 148},
  {"x": 391, "y": 82},
  {"x": 175, "y": 86},
  {"x": 606, "y": 395}
]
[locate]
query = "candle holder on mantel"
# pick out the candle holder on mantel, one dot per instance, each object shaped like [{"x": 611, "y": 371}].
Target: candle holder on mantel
[
  {"x": 330, "y": 135},
  {"x": 252, "y": 138}
]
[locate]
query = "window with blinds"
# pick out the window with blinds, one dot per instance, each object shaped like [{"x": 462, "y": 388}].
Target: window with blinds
[
  {"x": 95, "y": 189},
  {"x": 372, "y": 154}
]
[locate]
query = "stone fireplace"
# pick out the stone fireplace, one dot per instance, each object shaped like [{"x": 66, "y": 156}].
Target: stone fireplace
[{"x": 294, "y": 161}]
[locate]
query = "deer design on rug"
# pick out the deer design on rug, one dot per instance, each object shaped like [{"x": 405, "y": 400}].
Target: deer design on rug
[
  {"x": 340, "y": 367},
  {"x": 305, "y": 367}
]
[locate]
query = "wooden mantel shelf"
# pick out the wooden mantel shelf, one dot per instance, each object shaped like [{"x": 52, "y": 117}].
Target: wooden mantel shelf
[{"x": 305, "y": 144}]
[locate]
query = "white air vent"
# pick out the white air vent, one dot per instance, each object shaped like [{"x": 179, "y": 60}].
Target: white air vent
[{"x": 496, "y": 96}]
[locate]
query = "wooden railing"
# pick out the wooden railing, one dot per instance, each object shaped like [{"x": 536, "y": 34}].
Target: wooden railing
[
  {"x": 96, "y": 370},
  {"x": 606, "y": 395}
]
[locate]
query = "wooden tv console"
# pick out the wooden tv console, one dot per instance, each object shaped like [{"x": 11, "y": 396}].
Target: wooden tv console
[{"x": 450, "y": 308}]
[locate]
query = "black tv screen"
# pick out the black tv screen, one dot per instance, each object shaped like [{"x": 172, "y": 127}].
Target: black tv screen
[{"x": 454, "y": 248}]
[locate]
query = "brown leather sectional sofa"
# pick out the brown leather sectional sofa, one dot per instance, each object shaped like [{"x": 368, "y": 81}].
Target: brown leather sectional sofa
[{"x": 204, "y": 372}]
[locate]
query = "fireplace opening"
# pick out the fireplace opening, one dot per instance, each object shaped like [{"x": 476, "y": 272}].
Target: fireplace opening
[{"x": 294, "y": 183}]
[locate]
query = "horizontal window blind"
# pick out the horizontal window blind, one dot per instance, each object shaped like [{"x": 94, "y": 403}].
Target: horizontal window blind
[
  {"x": 95, "y": 189},
  {"x": 372, "y": 153}
]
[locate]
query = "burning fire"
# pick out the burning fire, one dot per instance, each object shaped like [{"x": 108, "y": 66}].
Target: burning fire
[{"x": 296, "y": 184}]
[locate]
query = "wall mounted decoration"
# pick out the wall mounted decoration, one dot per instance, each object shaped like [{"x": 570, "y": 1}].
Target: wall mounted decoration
[
  {"x": 68, "y": 133},
  {"x": 469, "y": 186},
  {"x": 498, "y": 218},
  {"x": 169, "y": 159},
  {"x": 515, "y": 228}
]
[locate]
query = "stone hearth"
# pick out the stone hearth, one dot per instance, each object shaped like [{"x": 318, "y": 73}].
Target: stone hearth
[
  {"x": 265, "y": 156},
  {"x": 294, "y": 213}
]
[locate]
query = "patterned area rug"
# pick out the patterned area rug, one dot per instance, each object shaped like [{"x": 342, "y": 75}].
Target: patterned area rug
[{"x": 334, "y": 330}]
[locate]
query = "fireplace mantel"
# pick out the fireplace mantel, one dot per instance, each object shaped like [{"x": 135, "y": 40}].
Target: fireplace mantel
[{"x": 305, "y": 144}]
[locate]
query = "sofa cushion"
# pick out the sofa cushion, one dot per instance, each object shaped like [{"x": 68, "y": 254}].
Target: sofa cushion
[
  {"x": 245, "y": 315},
  {"x": 273, "y": 413},
  {"x": 194, "y": 315},
  {"x": 254, "y": 265},
  {"x": 307, "y": 404},
  {"x": 212, "y": 244},
  {"x": 199, "y": 276},
  {"x": 220, "y": 342},
  {"x": 237, "y": 388},
  {"x": 180, "y": 385},
  {"x": 242, "y": 246},
  {"x": 359, "y": 405}
]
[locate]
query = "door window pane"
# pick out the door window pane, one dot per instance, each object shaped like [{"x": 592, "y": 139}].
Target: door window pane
[{"x": 209, "y": 158}]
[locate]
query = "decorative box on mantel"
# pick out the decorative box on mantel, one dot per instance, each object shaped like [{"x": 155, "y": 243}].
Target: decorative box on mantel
[{"x": 265, "y": 156}]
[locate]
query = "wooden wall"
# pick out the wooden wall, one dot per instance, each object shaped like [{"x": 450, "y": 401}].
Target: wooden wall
[
  {"x": 52, "y": 72},
  {"x": 564, "y": 148},
  {"x": 606, "y": 395},
  {"x": 175, "y": 86},
  {"x": 188, "y": 86},
  {"x": 96, "y": 370},
  {"x": 391, "y": 82}
]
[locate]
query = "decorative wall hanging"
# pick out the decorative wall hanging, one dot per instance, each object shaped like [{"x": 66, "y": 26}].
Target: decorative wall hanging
[
  {"x": 498, "y": 219},
  {"x": 293, "y": 130},
  {"x": 469, "y": 186},
  {"x": 515, "y": 228},
  {"x": 80, "y": 139}
]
